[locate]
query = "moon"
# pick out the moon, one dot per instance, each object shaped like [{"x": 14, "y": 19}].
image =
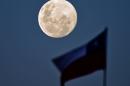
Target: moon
[{"x": 57, "y": 18}]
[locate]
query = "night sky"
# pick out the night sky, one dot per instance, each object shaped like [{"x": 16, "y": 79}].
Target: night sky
[{"x": 26, "y": 53}]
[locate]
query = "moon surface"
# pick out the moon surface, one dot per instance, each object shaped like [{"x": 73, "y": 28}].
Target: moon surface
[{"x": 57, "y": 18}]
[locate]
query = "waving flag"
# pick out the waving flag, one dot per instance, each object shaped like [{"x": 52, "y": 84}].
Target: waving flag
[{"x": 84, "y": 60}]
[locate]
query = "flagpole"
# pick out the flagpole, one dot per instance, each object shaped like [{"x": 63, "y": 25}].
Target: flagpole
[
  {"x": 105, "y": 69},
  {"x": 62, "y": 84},
  {"x": 105, "y": 77},
  {"x": 61, "y": 81}
]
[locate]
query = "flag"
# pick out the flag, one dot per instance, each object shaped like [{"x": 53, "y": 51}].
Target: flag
[{"x": 84, "y": 60}]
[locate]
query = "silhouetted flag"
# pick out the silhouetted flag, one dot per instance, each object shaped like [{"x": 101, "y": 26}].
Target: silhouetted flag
[{"x": 83, "y": 60}]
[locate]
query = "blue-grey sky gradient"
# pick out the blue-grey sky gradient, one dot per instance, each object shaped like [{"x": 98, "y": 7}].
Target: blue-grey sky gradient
[{"x": 26, "y": 52}]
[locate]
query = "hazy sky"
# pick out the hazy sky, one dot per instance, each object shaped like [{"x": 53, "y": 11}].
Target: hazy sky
[{"x": 26, "y": 52}]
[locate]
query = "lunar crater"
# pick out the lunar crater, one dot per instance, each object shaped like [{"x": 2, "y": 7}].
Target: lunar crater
[{"x": 57, "y": 19}]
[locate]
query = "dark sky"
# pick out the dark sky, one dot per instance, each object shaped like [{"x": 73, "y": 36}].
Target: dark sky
[{"x": 26, "y": 52}]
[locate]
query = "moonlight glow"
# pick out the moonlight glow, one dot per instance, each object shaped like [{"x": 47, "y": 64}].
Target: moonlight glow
[{"x": 57, "y": 18}]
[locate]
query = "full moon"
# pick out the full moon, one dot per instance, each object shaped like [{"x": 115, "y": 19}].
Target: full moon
[{"x": 57, "y": 18}]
